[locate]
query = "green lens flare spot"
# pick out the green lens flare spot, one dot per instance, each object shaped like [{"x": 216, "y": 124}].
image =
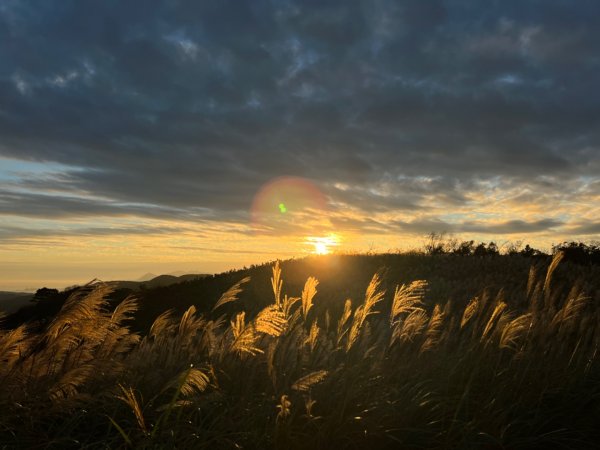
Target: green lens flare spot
[{"x": 282, "y": 208}]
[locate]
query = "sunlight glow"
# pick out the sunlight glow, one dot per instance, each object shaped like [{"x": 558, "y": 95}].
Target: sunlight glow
[
  {"x": 321, "y": 248},
  {"x": 323, "y": 245}
]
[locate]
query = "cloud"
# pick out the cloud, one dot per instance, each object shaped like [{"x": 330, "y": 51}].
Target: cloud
[
  {"x": 36, "y": 205},
  {"x": 512, "y": 226},
  {"x": 9, "y": 233},
  {"x": 424, "y": 226},
  {"x": 184, "y": 110},
  {"x": 586, "y": 228}
]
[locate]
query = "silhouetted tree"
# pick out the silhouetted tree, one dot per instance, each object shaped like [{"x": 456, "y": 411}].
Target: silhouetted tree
[
  {"x": 480, "y": 250},
  {"x": 44, "y": 294},
  {"x": 513, "y": 248},
  {"x": 465, "y": 248},
  {"x": 434, "y": 244},
  {"x": 578, "y": 252}
]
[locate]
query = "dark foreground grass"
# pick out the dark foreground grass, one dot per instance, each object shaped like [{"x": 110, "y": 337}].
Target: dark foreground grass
[{"x": 406, "y": 369}]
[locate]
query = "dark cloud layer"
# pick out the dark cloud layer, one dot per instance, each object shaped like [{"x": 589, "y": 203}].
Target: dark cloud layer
[{"x": 184, "y": 109}]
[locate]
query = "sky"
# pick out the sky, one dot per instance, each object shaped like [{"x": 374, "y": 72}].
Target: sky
[{"x": 204, "y": 136}]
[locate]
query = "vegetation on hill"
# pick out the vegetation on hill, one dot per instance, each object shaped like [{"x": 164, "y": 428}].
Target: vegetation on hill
[
  {"x": 437, "y": 352},
  {"x": 154, "y": 282}
]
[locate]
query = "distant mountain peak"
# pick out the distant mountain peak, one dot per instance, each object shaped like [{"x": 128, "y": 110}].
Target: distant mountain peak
[
  {"x": 179, "y": 273},
  {"x": 147, "y": 277}
]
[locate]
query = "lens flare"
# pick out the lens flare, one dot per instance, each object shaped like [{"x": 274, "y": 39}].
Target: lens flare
[{"x": 286, "y": 202}]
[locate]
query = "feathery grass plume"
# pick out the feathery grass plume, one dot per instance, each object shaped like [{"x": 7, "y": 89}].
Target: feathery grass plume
[
  {"x": 277, "y": 283},
  {"x": 514, "y": 331},
  {"x": 209, "y": 337},
  {"x": 570, "y": 311},
  {"x": 76, "y": 332},
  {"x": 69, "y": 383},
  {"x": 295, "y": 318},
  {"x": 163, "y": 325},
  {"x": 129, "y": 398},
  {"x": 308, "y": 293},
  {"x": 484, "y": 301},
  {"x": 118, "y": 340},
  {"x": 244, "y": 337},
  {"x": 189, "y": 382},
  {"x": 80, "y": 305},
  {"x": 167, "y": 407},
  {"x": 536, "y": 298},
  {"x": 309, "y": 404},
  {"x": 231, "y": 294},
  {"x": 189, "y": 325},
  {"x": 284, "y": 407},
  {"x": 124, "y": 310},
  {"x": 469, "y": 311},
  {"x": 448, "y": 308},
  {"x": 355, "y": 327},
  {"x": 341, "y": 326},
  {"x": 412, "y": 326},
  {"x": 434, "y": 328},
  {"x": 372, "y": 297},
  {"x": 498, "y": 310},
  {"x": 558, "y": 257},
  {"x": 270, "y": 321},
  {"x": 306, "y": 382},
  {"x": 408, "y": 298},
  {"x": 287, "y": 305},
  {"x": 313, "y": 336},
  {"x": 239, "y": 325},
  {"x": 576, "y": 290},
  {"x": 531, "y": 281},
  {"x": 10, "y": 346}
]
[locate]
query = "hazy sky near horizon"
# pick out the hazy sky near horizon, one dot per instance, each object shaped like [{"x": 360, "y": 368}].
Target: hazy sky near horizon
[{"x": 153, "y": 136}]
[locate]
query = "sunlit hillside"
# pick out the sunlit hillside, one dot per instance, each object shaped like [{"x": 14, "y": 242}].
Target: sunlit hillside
[{"x": 346, "y": 351}]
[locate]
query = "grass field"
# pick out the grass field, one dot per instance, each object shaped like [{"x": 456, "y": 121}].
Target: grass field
[{"x": 434, "y": 352}]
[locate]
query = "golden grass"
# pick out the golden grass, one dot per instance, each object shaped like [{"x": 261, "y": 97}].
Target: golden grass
[{"x": 412, "y": 371}]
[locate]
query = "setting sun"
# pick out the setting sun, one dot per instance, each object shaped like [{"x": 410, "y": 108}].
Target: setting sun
[
  {"x": 323, "y": 245},
  {"x": 321, "y": 248}
]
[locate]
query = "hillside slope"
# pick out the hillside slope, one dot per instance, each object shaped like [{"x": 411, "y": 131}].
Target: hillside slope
[
  {"x": 12, "y": 301},
  {"x": 457, "y": 278},
  {"x": 488, "y": 354}
]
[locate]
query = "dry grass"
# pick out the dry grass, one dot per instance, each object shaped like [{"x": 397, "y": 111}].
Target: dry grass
[{"x": 417, "y": 373}]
